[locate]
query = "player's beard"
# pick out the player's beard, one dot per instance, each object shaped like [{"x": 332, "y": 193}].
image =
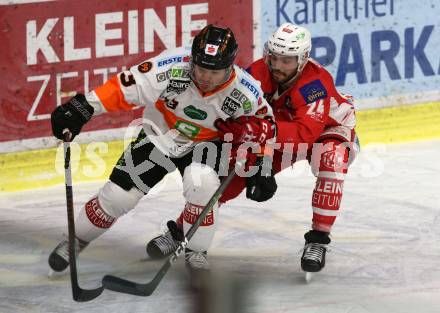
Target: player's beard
[{"x": 281, "y": 77}]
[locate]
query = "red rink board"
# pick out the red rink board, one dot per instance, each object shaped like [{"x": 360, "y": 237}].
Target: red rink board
[{"x": 51, "y": 49}]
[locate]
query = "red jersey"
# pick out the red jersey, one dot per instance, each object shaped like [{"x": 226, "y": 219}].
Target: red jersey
[{"x": 311, "y": 105}]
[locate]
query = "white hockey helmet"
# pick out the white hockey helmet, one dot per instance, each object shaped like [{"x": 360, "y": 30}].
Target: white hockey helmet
[{"x": 290, "y": 40}]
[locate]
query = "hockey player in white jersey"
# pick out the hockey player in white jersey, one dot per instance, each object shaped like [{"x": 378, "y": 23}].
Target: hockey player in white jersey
[{"x": 187, "y": 94}]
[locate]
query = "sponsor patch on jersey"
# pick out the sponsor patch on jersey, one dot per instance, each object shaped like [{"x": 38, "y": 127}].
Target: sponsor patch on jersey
[
  {"x": 230, "y": 106},
  {"x": 173, "y": 59},
  {"x": 177, "y": 86},
  {"x": 179, "y": 73},
  {"x": 313, "y": 91},
  {"x": 211, "y": 49},
  {"x": 251, "y": 87},
  {"x": 239, "y": 96},
  {"x": 247, "y": 107},
  {"x": 194, "y": 113},
  {"x": 187, "y": 129},
  {"x": 145, "y": 67},
  {"x": 163, "y": 76}
]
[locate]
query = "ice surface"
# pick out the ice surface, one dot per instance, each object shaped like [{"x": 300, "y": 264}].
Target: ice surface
[{"x": 385, "y": 254}]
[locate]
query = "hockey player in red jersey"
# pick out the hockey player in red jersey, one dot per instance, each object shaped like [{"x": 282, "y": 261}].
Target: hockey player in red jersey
[
  {"x": 187, "y": 93},
  {"x": 315, "y": 122}
]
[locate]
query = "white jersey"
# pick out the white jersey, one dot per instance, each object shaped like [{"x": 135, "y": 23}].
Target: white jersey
[{"x": 177, "y": 114}]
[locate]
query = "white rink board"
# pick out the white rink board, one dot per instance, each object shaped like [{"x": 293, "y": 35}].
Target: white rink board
[{"x": 384, "y": 53}]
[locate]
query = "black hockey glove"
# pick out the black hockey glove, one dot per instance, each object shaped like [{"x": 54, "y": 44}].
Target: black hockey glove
[
  {"x": 261, "y": 186},
  {"x": 71, "y": 115}
]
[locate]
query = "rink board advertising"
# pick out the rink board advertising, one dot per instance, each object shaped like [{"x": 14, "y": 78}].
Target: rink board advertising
[
  {"x": 53, "y": 49},
  {"x": 384, "y": 52}
]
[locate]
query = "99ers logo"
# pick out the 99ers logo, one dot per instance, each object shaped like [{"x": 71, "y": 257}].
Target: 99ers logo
[
  {"x": 262, "y": 111},
  {"x": 145, "y": 67}
]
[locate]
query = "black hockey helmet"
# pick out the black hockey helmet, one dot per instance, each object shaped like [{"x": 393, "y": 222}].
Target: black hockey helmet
[{"x": 214, "y": 48}]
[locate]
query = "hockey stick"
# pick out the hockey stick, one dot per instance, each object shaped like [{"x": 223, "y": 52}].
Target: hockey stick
[
  {"x": 138, "y": 289},
  {"x": 79, "y": 294}
]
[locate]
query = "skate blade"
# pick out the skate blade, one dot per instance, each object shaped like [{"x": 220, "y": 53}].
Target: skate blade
[
  {"x": 308, "y": 277},
  {"x": 50, "y": 273}
]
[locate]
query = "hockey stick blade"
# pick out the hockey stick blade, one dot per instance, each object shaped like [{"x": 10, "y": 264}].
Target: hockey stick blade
[
  {"x": 118, "y": 284},
  {"x": 84, "y": 295},
  {"x": 138, "y": 289},
  {"x": 125, "y": 286}
]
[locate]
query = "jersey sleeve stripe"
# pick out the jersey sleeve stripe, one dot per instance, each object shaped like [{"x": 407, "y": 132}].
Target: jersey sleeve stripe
[{"x": 111, "y": 96}]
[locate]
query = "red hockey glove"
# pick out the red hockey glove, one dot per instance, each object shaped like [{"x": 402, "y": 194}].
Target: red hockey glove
[{"x": 247, "y": 129}]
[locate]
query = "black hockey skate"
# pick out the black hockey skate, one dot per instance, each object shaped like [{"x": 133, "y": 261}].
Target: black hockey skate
[
  {"x": 313, "y": 257},
  {"x": 164, "y": 245},
  {"x": 59, "y": 258}
]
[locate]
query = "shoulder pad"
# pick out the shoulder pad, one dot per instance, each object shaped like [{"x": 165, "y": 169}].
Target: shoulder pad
[
  {"x": 247, "y": 84},
  {"x": 170, "y": 57},
  {"x": 161, "y": 63}
]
